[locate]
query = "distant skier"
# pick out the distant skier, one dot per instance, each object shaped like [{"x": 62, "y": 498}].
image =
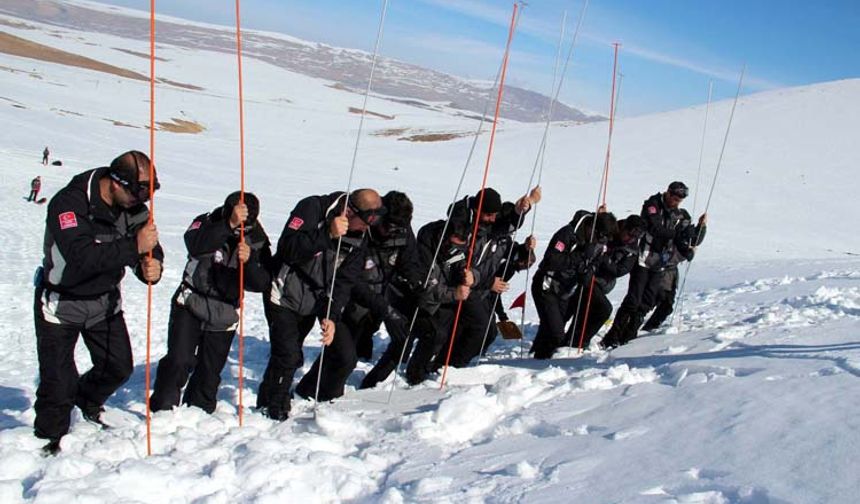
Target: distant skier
[
  {"x": 666, "y": 229},
  {"x": 35, "y": 187},
  {"x": 204, "y": 312},
  {"x": 45, "y": 155},
  {"x": 96, "y": 227}
]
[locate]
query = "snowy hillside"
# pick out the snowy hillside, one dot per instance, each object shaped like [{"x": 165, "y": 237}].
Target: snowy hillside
[
  {"x": 753, "y": 401},
  {"x": 422, "y": 87}
]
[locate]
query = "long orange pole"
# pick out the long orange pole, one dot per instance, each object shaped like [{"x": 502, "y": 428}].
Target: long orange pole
[
  {"x": 242, "y": 224},
  {"x": 483, "y": 186},
  {"x": 151, "y": 216},
  {"x": 605, "y": 185}
]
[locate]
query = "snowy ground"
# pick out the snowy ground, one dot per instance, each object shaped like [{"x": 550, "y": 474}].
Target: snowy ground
[{"x": 753, "y": 401}]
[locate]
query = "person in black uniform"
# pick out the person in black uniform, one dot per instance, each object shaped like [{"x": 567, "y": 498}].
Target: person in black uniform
[
  {"x": 96, "y": 227},
  {"x": 302, "y": 270},
  {"x": 496, "y": 224},
  {"x": 204, "y": 312},
  {"x": 689, "y": 238},
  {"x": 450, "y": 282},
  {"x": 621, "y": 254},
  {"x": 665, "y": 233},
  {"x": 391, "y": 282},
  {"x": 572, "y": 252}
]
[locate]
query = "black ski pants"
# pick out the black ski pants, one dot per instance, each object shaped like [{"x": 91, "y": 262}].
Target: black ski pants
[
  {"x": 473, "y": 333},
  {"x": 338, "y": 363},
  {"x": 60, "y": 386},
  {"x": 190, "y": 350},
  {"x": 665, "y": 300},
  {"x": 598, "y": 313},
  {"x": 431, "y": 333},
  {"x": 287, "y": 332},
  {"x": 398, "y": 331},
  {"x": 641, "y": 296},
  {"x": 553, "y": 311}
]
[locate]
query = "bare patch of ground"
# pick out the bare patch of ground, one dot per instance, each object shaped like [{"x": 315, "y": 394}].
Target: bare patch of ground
[
  {"x": 138, "y": 54},
  {"x": 192, "y": 87},
  {"x": 420, "y": 135},
  {"x": 354, "y": 110},
  {"x": 17, "y": 46},
  {"x": 181, "y": 126},
  {"x": 390, "y": 132},
  {"x": 17, "y": 70},
  {"x": 67, "y": 112},
  {"x": 434, "y": 137},
  {"x": 16, "y": 24}
]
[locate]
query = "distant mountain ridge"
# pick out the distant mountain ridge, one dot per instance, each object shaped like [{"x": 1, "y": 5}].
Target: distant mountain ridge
[{"x": 348, "y": 67}]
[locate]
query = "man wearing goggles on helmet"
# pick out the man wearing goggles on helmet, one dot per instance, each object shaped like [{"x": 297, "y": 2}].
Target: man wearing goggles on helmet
[
  {"x": 95, "y": 229},
  {"x": 666, "y": 233}
]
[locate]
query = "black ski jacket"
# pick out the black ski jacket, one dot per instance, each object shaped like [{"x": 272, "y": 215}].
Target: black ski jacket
[
  {"x": 447, "y": 271},
  {"x": 306, "y": 255},
  {"x": 210, "y": 282},
  {"x": 87, "y": 243},
  {"x": 668, "y": 231},
  {"x": 391, "y": 274},
  {"x": 565, "y": 260}
]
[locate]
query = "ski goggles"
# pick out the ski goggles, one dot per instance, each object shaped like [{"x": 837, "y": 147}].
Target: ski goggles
[
  {"x": 138, "y": 189},
  {"x": 369, "y": 216}
]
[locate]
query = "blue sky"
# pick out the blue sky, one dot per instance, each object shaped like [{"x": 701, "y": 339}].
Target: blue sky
[{"x": 670, "y": 48}]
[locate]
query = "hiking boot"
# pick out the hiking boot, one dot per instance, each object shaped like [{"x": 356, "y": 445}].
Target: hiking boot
[
  {"x": 376, "y": 375},
  {"x": 51, "y": 449},
  {"x": 93, "y": 415},
  {"x": 276, "y": 414}
]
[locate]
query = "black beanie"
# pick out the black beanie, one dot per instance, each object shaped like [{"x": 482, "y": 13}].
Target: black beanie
[
  {"x": 679, "y": 189},
  {"x": 633, "y": 221},
  {"x": 492, "y": 201},
  {"x": 251, "y": 202},
  {"x": 399, "y": 208}
]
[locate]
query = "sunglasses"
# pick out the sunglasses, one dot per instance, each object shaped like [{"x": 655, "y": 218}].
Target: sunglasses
[
  {"x": 138, "y": 189},
  {"x": 369, "y": 216}
]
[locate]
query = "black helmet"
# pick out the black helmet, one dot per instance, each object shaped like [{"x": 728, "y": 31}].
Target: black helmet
[{"x": 679, "y": 189}]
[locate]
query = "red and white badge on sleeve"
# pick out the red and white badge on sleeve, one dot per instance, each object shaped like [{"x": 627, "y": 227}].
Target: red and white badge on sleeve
[
  {"x": 68, "y": 220},
  {"x": 652, "y": 210},
  {"x": 295, "y": 223},
  {"x": 559, "y": 245}
]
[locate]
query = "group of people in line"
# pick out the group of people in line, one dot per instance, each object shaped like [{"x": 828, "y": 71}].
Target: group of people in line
[{"x": 348, "y": 263}]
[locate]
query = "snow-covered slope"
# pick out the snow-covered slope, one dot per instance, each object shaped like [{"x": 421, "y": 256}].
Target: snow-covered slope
[
  {"x": 349, "y": 67},
  {"x": 754, "y": 401}
]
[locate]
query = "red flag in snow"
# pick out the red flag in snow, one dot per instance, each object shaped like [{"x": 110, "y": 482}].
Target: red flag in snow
[{"x": 519, "y": 302}]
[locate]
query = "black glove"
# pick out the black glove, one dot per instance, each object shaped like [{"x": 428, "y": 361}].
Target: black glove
[{"x": 593, "y": 251}]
